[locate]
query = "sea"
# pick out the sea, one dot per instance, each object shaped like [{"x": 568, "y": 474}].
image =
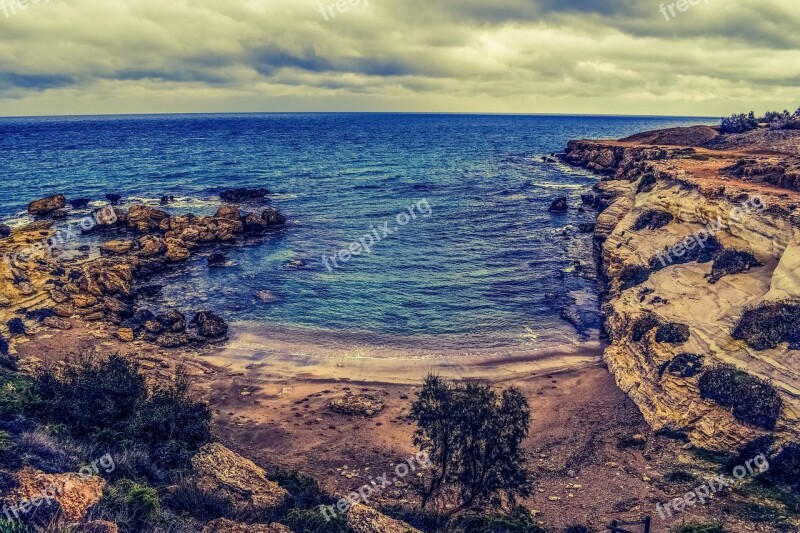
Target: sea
[{"x": 402, "y": 229}]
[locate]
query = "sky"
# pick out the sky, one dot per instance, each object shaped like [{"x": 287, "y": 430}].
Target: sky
[{"x": 709, "y": 58}]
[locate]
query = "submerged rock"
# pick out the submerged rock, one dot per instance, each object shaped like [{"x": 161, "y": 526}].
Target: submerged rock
[
  {"x": 242, "y": 194},
  {"x": 113, "y": 198},
  {"x": 209, "y": 325},
  {"x": 5, "y": 230},
  {"x": 47, "y": 205},
  {"x": 272, "y": 217},
  {"x": 216, "y": 260},
  {"x": 79, "y": 203},
  {"x": 559, "y": 205}
]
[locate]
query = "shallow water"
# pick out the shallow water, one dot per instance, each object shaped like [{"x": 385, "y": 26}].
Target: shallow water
[{"x": 478, "y": 267}]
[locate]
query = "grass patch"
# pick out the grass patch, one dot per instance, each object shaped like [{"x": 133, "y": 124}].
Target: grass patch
[
  {"x": 730, "y": 262},
  {"x": 768, "y": 324},
  {"x": 652, "y": 219},
  {"x": 752, "y": 400},
  {"x": 701, "y": 527},
  {"x": 685, "y": 365},
  {"x": 643, "y": 324}
]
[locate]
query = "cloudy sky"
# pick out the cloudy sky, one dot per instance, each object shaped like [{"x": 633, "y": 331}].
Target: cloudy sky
[{"x": 486, "y": 56}]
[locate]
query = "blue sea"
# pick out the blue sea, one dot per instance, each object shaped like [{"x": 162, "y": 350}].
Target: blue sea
[{"x": 473, "y": 257}]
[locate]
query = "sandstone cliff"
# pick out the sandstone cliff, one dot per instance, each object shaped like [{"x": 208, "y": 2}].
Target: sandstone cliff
[{"x": 653, "y": 197}]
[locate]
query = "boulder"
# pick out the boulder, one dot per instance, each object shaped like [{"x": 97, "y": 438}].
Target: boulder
[
  {"x": 151, "y": 246},
  {"x": 73, "y": 494},
  {"x": 83, "y": 300},
  {"x": 117, "y": 247},
  {"x": 228, "y": 211},
  {"x": 172, "y": 340},
  {"x": 125, "y": 334},
  {"x": 220, "y": 471},
  {"x": 176, "y": 251},
  {"x": 167, "y": 199},
  {"x": 145, "y": 218},
  {"x": 254, "y": 224},
  {"x": 63, "y": 310},
  {"x": 57, "y": 323},
  {"x": 5, "y": 230},
  {"x": 272, "y": 217},
  {"x": 223, "y": 525},
  {"x": 79, "y": 203},
  {"x": 47, "y": 205},
  {"x": 113, "y": 198},
  {"x": 210, "y": 325},
  {"x": 117, "y": 306},
  {"x": 559, "y": 205},
  {"x": 173, "y": 321},
  {"x": 242, "y": 194},
  {"x": 363, "y": 519},
  {"x": 357, "y": 404},
  {"x": 59, "y": 213}
]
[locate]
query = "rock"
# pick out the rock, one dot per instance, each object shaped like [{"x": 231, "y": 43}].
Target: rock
[
  {"x": 5, "y": 230},
  {"x": 83, "y": 300},
  {"x": 125, "y": 334},
  {"x": 586, "y": 228},
  {"x": 265, "y": 296},
  {"x": 79, "y": 203},
  {"x": 220, "y": 471},
  {"x": 113, "y": 198},
  {"x": 117, "y": 247},
  {"x": 210, "y": 325},
  {"x": 167, "y": 199},
  {"x": 254, "y": 224},
  {"x": 74, "y": 493},
  {"x": 272, "y": 217},
  {"x": 173, "y": 321},
  {"x": 59, "y": 213},
  {"x": 363, "y": 519},
  {"x": 57, "y": 323},
  {"x": 229, "y": 212},
  {"x": 47, "y": 205},
  {"x": 357, "y": 404},
  {"x": 117, "y": 306},
  {"x": 172, "y": 340},
  {"x": 154, "y": 326},
  {"x": 223, "y": 525},
  {"x": 63, "y": 310},
  {"x": 559, "y": 205},
  {"x": 176, "y": 251},
  {"x": 216, "y": 259},
  {"x": 145, "y": 218},
  {"x": 242, "y": 194},
  {"x": 151, "y": 246}
]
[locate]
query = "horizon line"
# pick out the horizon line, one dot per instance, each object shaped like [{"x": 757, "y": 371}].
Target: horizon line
[{"x": 454, "y": 113}]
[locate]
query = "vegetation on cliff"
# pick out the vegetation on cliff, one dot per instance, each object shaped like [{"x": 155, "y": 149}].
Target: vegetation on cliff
[
  {"x": 752, "y": 400},
  {"x": 768, "y": 324}
]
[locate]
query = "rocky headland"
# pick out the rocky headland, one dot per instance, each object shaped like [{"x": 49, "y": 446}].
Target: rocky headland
[{"x": 697, "y": 242}]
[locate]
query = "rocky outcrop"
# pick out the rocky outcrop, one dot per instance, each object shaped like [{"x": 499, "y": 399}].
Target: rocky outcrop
[
  {"x": 357, "y": 404},
  {"x": 657, "y": 265},
  {"x": 48, "y": 205},
  {"x": 363, "y": 519},
  {"x": 70, "y": 495},
  {"x": 221, "y": 471}
]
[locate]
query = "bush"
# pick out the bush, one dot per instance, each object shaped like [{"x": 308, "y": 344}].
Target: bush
[
  {"x": 643, "y": 324},
  {"x": 132, "y": 506},
  {"x": 732, "y": 262},
  {"x": 312, "y": 521},
  {"x": 633, "y": 275},
  {"x": 646, "y": 183},
  {"x": 672, "y": 333},
  {"x": 14, "y": 396},
  {"x": 768, "y": 324},
  {"x": 652, "y": 219},
  {"x": 701, "y": 527},
  {"x": 16, "y": 326},
  {"x": 785, "y": 467},
  {"x": 14, "y": 526},
  {"x": 739, "y": 123},
  {"x": 519, "y": 520},
  {"x": 577, "y": 528},
  {"x": 187, "y": 497},
  {"x": 759, "y": 446},
  {"x": 685, "y": 365},
  {"x": 752, "y": 400},
  {"x": 473, "y": 437},
  {"x": 703, "y": 253}
]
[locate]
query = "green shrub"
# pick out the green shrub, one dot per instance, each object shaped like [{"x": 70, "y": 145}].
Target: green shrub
[
  {"x": 759, "y": 446},
  {"x": 132, "y": 506},
  {"x": 672, "y": 333},
  {"x": 312, "y": 521},
  {"x": 646, "y": 183},
  {"x": 701, "y": 527},
  {"x": 652, "y": 219},
  {"x": 14, "y": 526},
  {"x": 752, "y": 400},
  {"x": 187, "y": 497},
  {"x": 633, "y": 276},
  {"x": 785, "y": 467},
  {"x": 519, "y": 520},
  {"x": 768, "y": 324},
  {"x": 685, "y": 365},
  {"x": 643, "y": 324},
  {"x": 739, "y": 123},
  {"x": 732, "y": 262},
  {"x": 14, "y": 395},
  {"x": 701, "y": 253}
]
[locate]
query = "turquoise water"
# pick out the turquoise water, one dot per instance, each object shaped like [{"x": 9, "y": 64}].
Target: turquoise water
[{"x": 483, "y": 261}]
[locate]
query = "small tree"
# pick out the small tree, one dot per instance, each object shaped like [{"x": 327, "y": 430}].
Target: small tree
[{"x": 473, "y": 437}]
